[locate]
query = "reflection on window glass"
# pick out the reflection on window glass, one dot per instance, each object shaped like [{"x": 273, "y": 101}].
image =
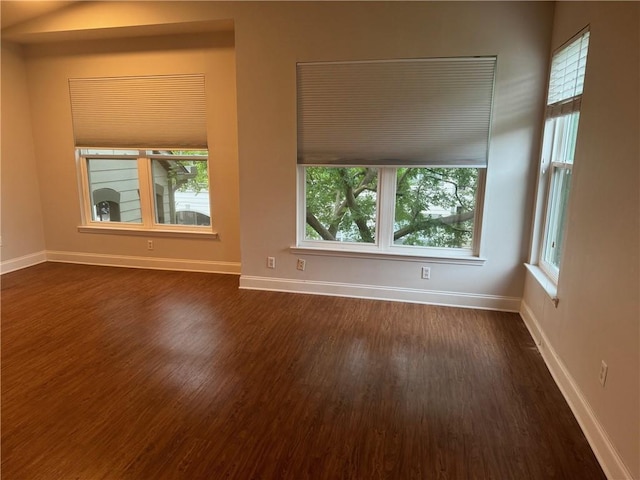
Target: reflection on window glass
[
  {"x": 435, "y": 207},
  {"x": 114, "y": 190},
  {"x": 341, "y": 204}
]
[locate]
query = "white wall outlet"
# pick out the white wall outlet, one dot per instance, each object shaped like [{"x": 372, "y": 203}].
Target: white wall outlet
[
  {"x": 271, "y": 262},
  {"x": 426, "y": 273},
  {"x": 149, "y": 244},
  {"x": 301, "y": 264},
  {"x": 603, "y": 373}
]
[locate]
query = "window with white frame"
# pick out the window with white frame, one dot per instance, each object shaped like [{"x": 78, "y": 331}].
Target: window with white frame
[
  {"x": 392, "y": 154},
  {"x": 566, "y": 82},
  {"x": 142, "y": 152},
  {"x": 148, "y": 188}
]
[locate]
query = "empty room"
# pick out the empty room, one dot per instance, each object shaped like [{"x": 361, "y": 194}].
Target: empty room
[{"x": 320, "y": 240}]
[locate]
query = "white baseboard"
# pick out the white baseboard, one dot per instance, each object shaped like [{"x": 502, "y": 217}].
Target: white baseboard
[
  {"x": 25, "y": 261},
  {"x": 411, "y": 295},
  {"x": 152, "y": 263},
  {"x": 610, "y": 461}
]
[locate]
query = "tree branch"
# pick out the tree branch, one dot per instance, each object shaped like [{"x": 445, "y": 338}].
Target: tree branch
[
  {"x": 455, "y": 186},
  {"x": 364, "y": 183},
  {"x": 401, "y": 179},
  {"x": 363, "y": 228},
  {"x": 318, "y": 227},
  {"x": 340, "y": 208},
  {"x": 424, "y": 224}
]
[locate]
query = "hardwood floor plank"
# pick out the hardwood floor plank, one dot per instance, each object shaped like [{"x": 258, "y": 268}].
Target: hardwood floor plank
[{"x": 114, "y": 373}]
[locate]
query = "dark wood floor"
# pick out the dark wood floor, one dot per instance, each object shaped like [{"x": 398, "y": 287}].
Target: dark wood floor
[{"x": 130, "y": 374}]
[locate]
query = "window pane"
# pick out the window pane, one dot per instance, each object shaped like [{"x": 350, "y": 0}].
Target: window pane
[
  {"x": 185, "y": 153},
  {"x": 115, "y": 191},
  {"x": 181, "y": 191},
  {"x": 558, "y": 197},
  {"x": 435, "y": 207},
  {"x": 341, "y": 204},
  {"x": 564, "y": 138},
  {"x": 109, "y": 151}
]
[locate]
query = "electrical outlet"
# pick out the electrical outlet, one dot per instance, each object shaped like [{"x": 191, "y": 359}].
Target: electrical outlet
[
  {"x": 149, "y": 244},
  {"x": 301, "y": 264},
  {"x": 603, "y": 373},
  {"x": 271, "y": 262},
  {"x": 426, "y": 273}
]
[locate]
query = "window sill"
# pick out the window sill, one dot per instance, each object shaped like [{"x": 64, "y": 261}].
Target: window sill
[
  {"x": 379, "y": 255},
  {"x": 147, "y": 232},
  {"x": 548, "y": 285}
]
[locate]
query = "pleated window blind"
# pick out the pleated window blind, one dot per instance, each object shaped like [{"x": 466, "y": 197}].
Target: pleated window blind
[
  {"x": 139, "y": 112},
  {"x": 426, "y": 112},
  {"x": 566, "y": 79}
]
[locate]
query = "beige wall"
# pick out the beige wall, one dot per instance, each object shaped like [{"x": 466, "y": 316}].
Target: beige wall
[
  {"x": 598, "y": 314},
  {"x": 269, "y": 38},
  {"x": 21, "y": 217},
  {"x": 597, "y": 317},
  {"x": 50, "y": 66}
]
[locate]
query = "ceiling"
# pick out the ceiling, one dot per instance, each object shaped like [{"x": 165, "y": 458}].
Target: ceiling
[{"x": 18, "y": 11}]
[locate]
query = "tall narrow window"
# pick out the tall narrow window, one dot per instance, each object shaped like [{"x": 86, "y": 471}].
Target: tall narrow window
[{"x": 566, "y": 83}]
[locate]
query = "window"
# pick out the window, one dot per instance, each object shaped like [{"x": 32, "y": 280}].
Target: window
[
  {"x": 142, "y": 149},
  {"x": 392, "y": 155},
  {"x": 564, "y": 99},
  {"x": 432, "y": 207},
  {"x": 148, "y": 188}
]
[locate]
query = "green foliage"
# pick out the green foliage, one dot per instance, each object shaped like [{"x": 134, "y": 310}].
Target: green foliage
[
  {"x": 186, "y": 182},
  {"x": 343, "y": 200},
  {"x": 434, "y": 206}
]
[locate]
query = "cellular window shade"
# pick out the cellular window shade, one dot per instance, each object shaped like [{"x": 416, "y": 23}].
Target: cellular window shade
[
  {"x": 566, "y": 80},
  {"x": 139, "y": 112},
  {"x": 428, "y": 112}
]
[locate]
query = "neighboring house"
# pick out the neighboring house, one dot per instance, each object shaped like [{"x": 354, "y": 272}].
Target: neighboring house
[
  {"x": 193, "y": 208},
  {"x": 115, "y": 193}
]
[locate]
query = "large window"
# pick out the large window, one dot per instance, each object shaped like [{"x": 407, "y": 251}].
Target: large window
[
  {"x": 142, "y": 151},
  {"x": 392, "y": 154},
  {"x": 148, "y": 188},
  {"x": 427, "y": 207},
  {"x": 566, "y": 82}
]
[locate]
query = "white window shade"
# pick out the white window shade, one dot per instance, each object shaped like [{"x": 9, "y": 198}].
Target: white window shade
[
  {"x": 566, "y": 79},
  {"x": 428, "y": 112},
  {"x": 139, "y": 112}
]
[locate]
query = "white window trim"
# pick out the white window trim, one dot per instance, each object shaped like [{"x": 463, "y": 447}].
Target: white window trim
[
  {"x": 121, "y": 229},
  {"x": 148, "y": 226},
  {"x": 383, "y": 247},
  {"x": 549, "y": 286},
  {"x": 548, "y": 275},
  {"x": 550, "y": 270}
]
